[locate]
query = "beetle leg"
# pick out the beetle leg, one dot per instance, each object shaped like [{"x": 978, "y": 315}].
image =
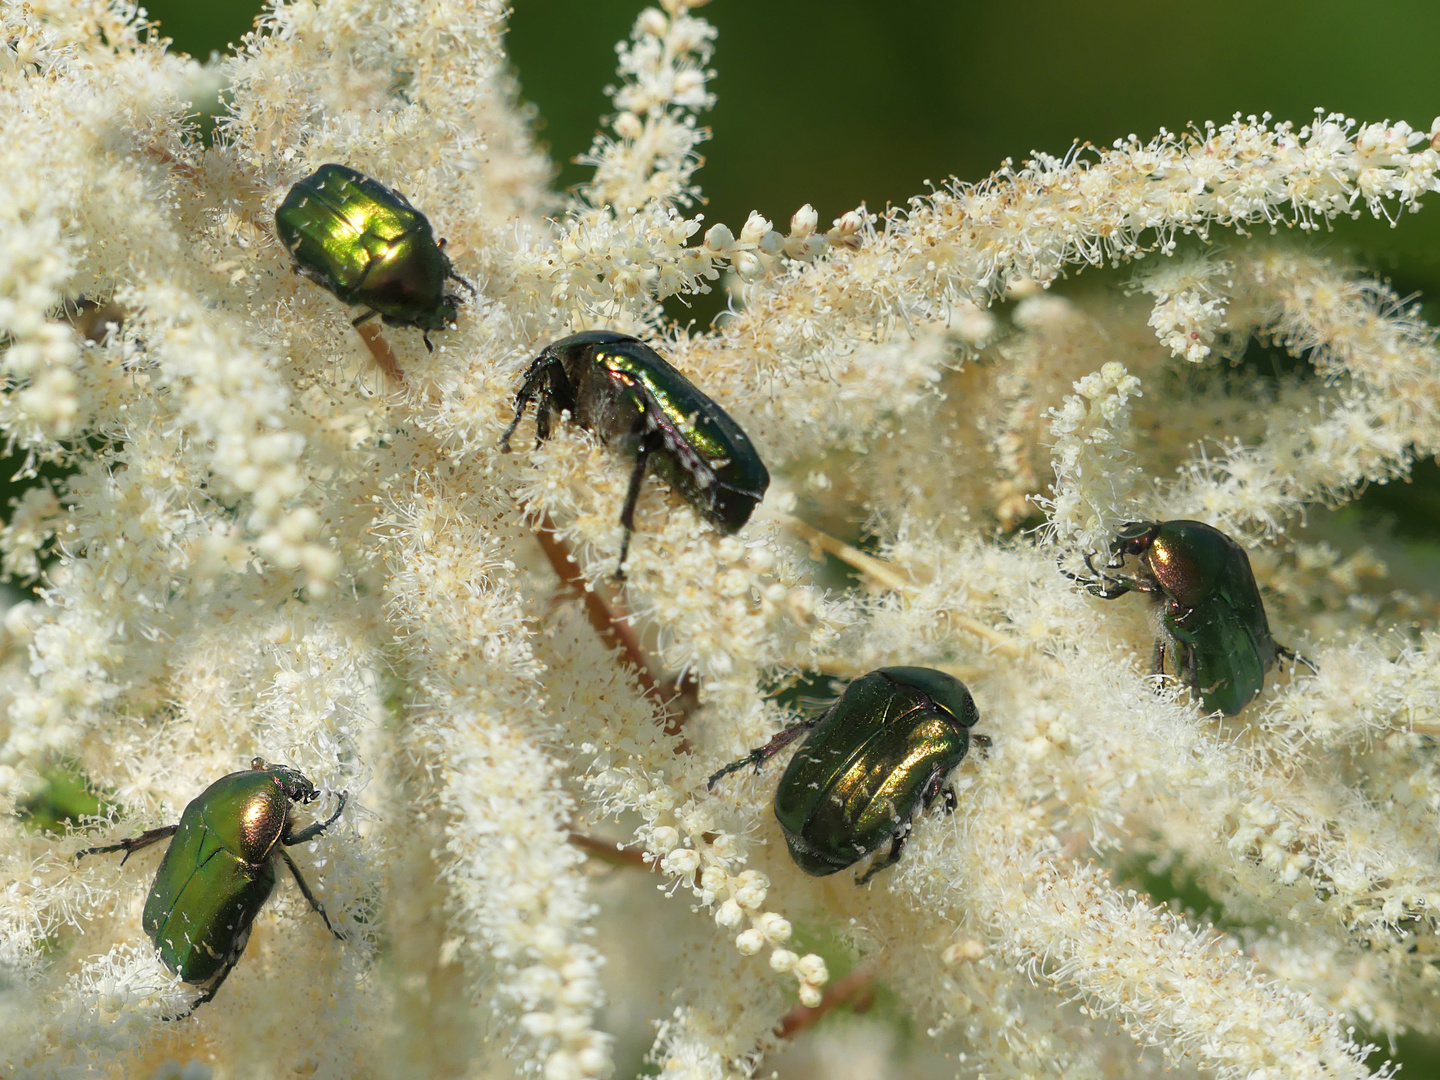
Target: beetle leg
[
  {"x": 474, "y": 293},
  {"x": 1099, "y": 583},
  {"x": 315, "y": 905},
  {"x": 425, "y": 337},
  {"x": 757, "y": 757},
  {"x": 132, "y": 845},
  {"x": 363, "y": 318},
  {"x": 1110, "y": 585},
  {"x": 210, "y": 992},
  {"x": 1157, "y": 665},
  {"x": 534, "y": 386},
  {"x": 936, "y": 788},
  {"x": 314, "y": 829},
  {"x": 1182, "y": 658},
  {"x": 1293, "y": 656},
  {"x": 647, "y": 446},
  {"x": 897, "y": 843}
]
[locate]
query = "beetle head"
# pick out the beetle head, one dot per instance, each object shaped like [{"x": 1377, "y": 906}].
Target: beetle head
[
  {"x": 295, "y": 784},
  {"x": 1134, "y": 537}
]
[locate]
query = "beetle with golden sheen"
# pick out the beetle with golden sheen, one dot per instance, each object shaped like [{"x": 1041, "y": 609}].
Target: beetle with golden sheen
[
  {"x": 1211, "y": 608},
  {"x": 220, "y": 869},
  {"x": 366, "y": 244},
  {"x": 875, "y": 757}
]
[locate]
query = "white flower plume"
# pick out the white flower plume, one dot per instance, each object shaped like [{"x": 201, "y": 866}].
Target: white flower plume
[{"x": 268, "y": 534}]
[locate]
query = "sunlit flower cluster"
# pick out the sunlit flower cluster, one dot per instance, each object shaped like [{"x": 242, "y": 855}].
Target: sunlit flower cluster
[{"x": 255, "y": 531}]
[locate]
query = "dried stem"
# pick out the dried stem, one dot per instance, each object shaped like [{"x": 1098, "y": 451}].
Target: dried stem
[
  {"x": 856, "y": 989},
  {"x": 610, "y": 851},
  {"x": 380, "y": 350},
  {"x": 885, "y": 573}
]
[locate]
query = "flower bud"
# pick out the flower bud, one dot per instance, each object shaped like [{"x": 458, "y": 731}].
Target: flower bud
[
  {"x": 760, "y": 560},
  {"x": 595, "y": 1061},
  {"x": 747, "y": 266},
  {"x": 756, "y": 226},
  {"x": 849, "y": 223},
  {"x": 775, "y": 927},
  {"x": 682, "y": 862},
  {"x": 782, "y": 960},
  {"x": 749, "y": 942},
  {"x": 688, "y": 81},
  {"x": 627, "y": 125},
  {"x": 810, "y": 968},
  {"x": 720, "y": 239},
  {"x": 562, "y": 1066},
  {"x": 729, "y": 914},
  {"x": 963, "y": 951},
  {"x": 538, "y": 1024}
]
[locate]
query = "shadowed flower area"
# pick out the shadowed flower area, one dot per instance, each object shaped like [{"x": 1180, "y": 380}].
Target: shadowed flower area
[{"x": 264, "y": 533}]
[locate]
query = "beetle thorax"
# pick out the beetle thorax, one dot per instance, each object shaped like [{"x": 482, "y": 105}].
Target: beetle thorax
[
  {"x": 1178, "y": 571},
  {"x": 263, "y": 816}
]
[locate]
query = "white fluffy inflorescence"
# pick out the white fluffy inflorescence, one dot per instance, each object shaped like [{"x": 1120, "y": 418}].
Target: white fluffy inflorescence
[{"x": 252, "y": 542}]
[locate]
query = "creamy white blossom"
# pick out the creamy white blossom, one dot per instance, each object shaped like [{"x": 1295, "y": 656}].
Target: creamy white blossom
[{"x": 275, "y": 536}]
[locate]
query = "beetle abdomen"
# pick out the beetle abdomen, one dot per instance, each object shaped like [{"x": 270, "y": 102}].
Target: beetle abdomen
[{"x": 203, "y": 901}]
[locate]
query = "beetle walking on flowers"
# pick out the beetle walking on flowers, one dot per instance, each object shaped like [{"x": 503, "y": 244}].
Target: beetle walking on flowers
[
  {"x": 624, "y": 391},
  {"x": 1211, "y": 608},
  {"x": 220, "y": 868},
  {"x": 875, "y": 756},
  {"x": 367, "y": 245}
]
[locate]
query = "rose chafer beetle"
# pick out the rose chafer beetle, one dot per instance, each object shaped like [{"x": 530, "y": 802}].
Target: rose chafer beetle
[
  {"x": 220, "y": 868},
  {"x": 622, "y": 390},
  {"x": 367, "y": 245},
  {"x": 882, "y": 750},
  {"x": 1210, "y": 607}
]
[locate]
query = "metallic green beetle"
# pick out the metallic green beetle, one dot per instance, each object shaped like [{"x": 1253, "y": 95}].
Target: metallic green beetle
[
  {"x": 367, "y": 245},
  {"x": 624, "y": 391},
  {"x": 220, "y": 868},
  {"x": 882, "y": 750},
  {"x": 1212, "y": 609}
]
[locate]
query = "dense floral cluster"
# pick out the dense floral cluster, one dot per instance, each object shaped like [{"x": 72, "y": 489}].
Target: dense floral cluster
[{"x": 264, "y": 545}]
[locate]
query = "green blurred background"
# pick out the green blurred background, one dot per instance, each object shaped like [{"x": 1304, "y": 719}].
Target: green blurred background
[{"x": 839, "y": 102}]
